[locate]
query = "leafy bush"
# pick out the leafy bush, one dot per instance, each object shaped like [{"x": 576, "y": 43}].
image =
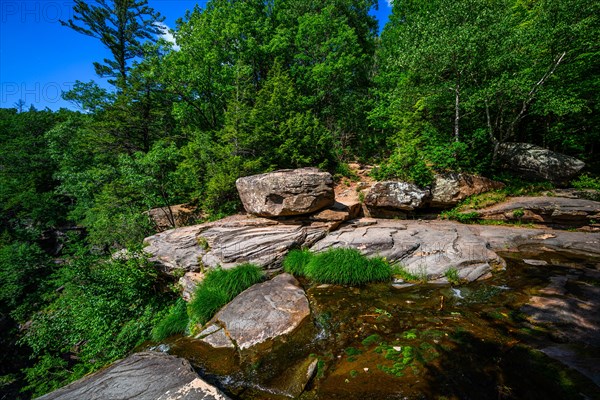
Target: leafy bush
[
  {"x": 296, "y": 261},
  {"x": 346, "y": 267},
  {"x": 586, "y": 181},
  {"x": 462, "y": 217},
  {"x": 104, "y": 308},
  {"x": 174, "y": 322},
  {"x": 220, "y": 287}
]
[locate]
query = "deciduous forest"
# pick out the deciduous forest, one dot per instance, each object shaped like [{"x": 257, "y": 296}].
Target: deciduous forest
[{"x": 255, "y": 86}]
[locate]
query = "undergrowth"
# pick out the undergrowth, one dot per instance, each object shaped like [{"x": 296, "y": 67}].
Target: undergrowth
[{"x": 174, "y": 322}]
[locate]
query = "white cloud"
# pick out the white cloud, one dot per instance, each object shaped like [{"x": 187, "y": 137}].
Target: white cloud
[
  {"x": 389, "y": 3},
  {"x": 168, "y": 35}
]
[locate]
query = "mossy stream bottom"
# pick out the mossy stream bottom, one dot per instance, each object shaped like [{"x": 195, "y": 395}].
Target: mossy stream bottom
[{"x": 421, "y": 342}]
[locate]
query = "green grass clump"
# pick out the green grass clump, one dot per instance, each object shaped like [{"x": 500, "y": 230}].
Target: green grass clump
[
  {"x": 452, "y": 276},
  {"x": 346, "y": 267},
  {"x": 296, "y": 261},
  {"x": 174, "y": 322},
  {"x": 220, "y": 287}
]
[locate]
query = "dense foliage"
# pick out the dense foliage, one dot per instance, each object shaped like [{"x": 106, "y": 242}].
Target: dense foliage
[{"x": 253, "y": 86}]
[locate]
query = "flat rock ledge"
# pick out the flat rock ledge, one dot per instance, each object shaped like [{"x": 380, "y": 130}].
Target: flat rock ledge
[
  {"x": 141, "y": 376},
  {"x": 425, "y": 249},
  {"x": 263, "y": 312},
  {"x": 230, "y": 242},
  {"x": 554, "y": 211}
]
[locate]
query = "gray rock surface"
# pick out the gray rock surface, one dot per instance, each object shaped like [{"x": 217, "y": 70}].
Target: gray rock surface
[
  {"x": 538, "y": 163},
  {"x": 426, "y": 249},
  {"x": 396, "y": 195},
  {"x": 263, "y": 312},
  {"x": 286, "y": 192},
  {"x": 452, "y": 188},
  {"x": 229, "y": 242},
  {"x": 175, "y": 249},
  {"x": 256, "y": 240},
  {"x": 141, "y": 376},
  {"x": 560, "y": 211}
]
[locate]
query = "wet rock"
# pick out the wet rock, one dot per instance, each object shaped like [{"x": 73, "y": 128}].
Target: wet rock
[
  {"x": 286, "y": 192},
  {"x": 536, "y": 162},
  {"x": 396, "y": 196},
  {"x": 507, "y": 238},
  {"x": 141, "y": 376},
  {"x": 554, "y": 211},
  {"x": 263, "y": 312},
  {"x": 426, "y": 249},
  {"x": 452, "y": 188}
]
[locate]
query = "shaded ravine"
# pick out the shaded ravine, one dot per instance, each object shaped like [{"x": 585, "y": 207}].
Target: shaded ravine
[{"x": 476, "y": 341}]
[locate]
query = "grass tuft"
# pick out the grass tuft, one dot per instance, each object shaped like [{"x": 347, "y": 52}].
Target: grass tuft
[
  {"x": 174, "y": 322},
  {"x": 220, "y": 287},
  {"x": 346, "y": 266},
  {"x": 296, "y": 261}
]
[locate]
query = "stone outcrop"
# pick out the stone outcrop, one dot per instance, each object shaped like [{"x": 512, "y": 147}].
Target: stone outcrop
[
  {"x": 395, "y": 196},
  {"x": 188, "y": 283},
  {"x": 141, "y": 376},
  {"x": 286, "y": 192},
  {"x": 536, "y": 162},
  {"x": 263, "y": 312},
  {"x": 175, "y": 249},
  {"x": 255, "y": 240},
  {"x": 452, "y": 188},
  {"x": 230, "y": 242},
  {"x": 426, "y": 249},
  {"x": 554, "y": 211}
]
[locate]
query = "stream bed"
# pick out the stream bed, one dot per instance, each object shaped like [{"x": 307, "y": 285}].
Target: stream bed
[{"x": 532, "y": 331}]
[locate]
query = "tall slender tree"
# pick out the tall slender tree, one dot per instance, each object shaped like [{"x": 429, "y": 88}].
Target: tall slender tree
[{"x": 122, "y": 26}]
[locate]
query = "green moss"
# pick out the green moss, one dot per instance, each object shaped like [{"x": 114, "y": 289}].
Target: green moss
[
  {"x": 346, "y": 267},
  {"x": 371, "y": 340}
]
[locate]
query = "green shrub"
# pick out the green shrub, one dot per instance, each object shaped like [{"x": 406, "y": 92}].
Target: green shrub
[
  {"x": 296, "y": 261},
  {"x": 220, "y": 287},
  {"x": 462, "y": 217},
  {"x": 586, "y": 181},
  {"x": 174, "y": 322},
  {"x": 346, "y": 267}
]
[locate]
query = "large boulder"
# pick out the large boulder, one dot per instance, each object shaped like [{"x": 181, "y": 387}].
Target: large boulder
[
  {"x": 286, "y": 192},
  {"x": 452, "y": 188},
  {"x": 141, "y": 376},
  {"x": 535, "y": 162},
  {"x": 262, "y": 313},
  {"x": 394, "y": 195}
]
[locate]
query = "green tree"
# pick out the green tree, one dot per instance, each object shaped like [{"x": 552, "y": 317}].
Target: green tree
[{"x": 121, "y": 26}]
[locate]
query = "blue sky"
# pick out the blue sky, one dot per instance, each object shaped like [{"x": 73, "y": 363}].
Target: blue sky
[{"x": 39, "y": 58}]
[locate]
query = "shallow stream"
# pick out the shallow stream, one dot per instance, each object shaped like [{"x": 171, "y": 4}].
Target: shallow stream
[{"x": 473, "y": 341}]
